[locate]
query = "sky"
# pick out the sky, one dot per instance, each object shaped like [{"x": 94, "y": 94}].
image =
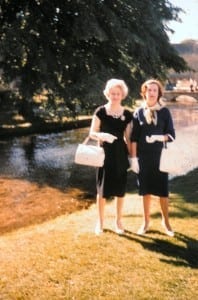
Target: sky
[{"x": 188, "y": 29}]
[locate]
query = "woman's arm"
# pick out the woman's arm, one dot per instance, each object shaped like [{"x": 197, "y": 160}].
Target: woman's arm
[
  {"x": 169, "y": 129},
  {"x": 134, "y": 149},
  {"x": 95, "y": 127},
  {"x": 127, "y": 134}
]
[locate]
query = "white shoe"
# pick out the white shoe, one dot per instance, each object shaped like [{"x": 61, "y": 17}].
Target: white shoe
[
  {"x": 142, "y": 230},
  {"x": 98, "y": 230},
  {"x": 119, "y": 227},
  {"x": 167, "y": 231},
  {"x": 119, "y": 231}
]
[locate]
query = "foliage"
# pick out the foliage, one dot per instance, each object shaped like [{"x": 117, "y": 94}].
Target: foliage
[{"x": 70, "y": 48}]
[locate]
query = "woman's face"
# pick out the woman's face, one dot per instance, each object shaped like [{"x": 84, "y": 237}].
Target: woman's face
[
  {"x": 115, "y": 94},
  {"x": 151, "y": 94}
]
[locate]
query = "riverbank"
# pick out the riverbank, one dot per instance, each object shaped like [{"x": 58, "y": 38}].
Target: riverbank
[
  {"x": 26, "y": 202},
  {"x": 26, "y": 128},
  {"x": 16, "y": 126}
]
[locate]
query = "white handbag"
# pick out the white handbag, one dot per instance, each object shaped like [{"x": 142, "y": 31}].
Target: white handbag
[
  {"x": 170, "y": 161},
  {"x": 89, "y": 155}
]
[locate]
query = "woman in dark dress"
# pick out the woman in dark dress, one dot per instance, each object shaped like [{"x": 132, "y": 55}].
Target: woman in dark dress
[
  {"x": 111, "y": 124},
  {"x": 152, "y": 126}
]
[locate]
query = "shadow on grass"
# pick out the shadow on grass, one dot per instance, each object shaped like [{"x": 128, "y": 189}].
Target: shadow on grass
[
  {"x": 181, "y": 250},
  {"x": 186, "y": 186},
  {"x": 185, "y": 255},
  {"x": 183, "y": 196}
]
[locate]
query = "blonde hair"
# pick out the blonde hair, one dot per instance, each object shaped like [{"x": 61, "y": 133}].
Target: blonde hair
[
  {"x": 144, "y": 87},
  {"x": 115, "y": 83}
]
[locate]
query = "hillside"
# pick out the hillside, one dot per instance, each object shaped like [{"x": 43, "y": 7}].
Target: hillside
[{"x": 188, "y": 49}]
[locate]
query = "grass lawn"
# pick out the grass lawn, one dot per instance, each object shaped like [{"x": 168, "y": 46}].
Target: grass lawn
[{"x": 61, "y": 258}]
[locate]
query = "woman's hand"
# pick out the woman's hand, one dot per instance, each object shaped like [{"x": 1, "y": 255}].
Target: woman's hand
[
  {"x": 134, "y": 164},
  {"x": 106, "y": 137},
  {"x": 155, "y": 138}
]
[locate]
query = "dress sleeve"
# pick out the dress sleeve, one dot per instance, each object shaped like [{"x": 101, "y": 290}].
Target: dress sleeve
[
  {"x": 129, "y": 116},
  {"x": 99, "y": 112},
  {"x": 169, "y": 127},
  {"x": 135, "y": 133}
]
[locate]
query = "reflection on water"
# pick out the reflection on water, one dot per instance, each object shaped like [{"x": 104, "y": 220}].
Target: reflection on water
[
  {"x": 41, "y": 158},
  {"x": 186, "y": 125},
  {"x": 184, "y": 114},
  {"x": 48, "y": 159}
]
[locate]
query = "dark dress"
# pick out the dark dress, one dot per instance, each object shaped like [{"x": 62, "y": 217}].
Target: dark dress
[
  {"x": 112, "y": 177},
  {"x": 150, "y": 179}
]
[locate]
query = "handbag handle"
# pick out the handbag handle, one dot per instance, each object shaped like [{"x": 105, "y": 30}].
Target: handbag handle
[
  {"x": 86, "y": 140},
  {"x": 165, "y": 143}
]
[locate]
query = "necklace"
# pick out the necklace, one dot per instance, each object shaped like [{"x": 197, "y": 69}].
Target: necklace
[{"x": 116, "y": 114}]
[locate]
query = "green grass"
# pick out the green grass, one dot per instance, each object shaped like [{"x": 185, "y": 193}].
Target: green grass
[{"x": 63, "y": 259}]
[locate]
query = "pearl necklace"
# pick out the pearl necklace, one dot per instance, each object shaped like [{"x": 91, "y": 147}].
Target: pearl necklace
[{"x": 115, "y": 114}]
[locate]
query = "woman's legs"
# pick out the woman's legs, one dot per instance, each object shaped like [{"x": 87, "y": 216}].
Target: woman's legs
[
  {"x": 164, "y": 211},
  {"x": 165, "y": 216},
  {"x": 146, "y": 214},
  {"x": 119, "y": 208},
  {"x": 101, "y": 210},
  {"x": 100, "y": 202}
]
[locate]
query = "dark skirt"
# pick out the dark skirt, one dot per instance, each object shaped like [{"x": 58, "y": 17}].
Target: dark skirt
[
  {"x": 111, "y": 179},
  {"x": 150, "y": 179}
]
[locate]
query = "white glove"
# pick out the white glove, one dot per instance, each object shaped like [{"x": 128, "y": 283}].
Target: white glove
[
  {"x": 134, "y": 165},
  {"x": 155, "y": 138},
  {"x": 106, "y": 137}
]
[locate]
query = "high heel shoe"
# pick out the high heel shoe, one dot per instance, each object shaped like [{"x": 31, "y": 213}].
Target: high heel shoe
[
  {"x": 98, "y": 229},
  {"x": 168, "y": 232},
  {"x": 119, "y": 228},
  {"x": 119, "y": 231},
  {"x": 142, "y": 230}
]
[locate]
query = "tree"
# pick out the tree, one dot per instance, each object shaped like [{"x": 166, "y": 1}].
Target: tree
[{"x": 70, "y": 48}]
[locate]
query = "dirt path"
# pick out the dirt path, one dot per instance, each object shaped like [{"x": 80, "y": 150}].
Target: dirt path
[{"x": 23, "y": 203}]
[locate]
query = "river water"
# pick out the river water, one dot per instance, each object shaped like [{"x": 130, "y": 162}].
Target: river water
[{"x": 49, "y": 158}]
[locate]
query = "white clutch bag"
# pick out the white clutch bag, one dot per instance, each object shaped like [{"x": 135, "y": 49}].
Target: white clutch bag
[{"x": 89, "y": 155}]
